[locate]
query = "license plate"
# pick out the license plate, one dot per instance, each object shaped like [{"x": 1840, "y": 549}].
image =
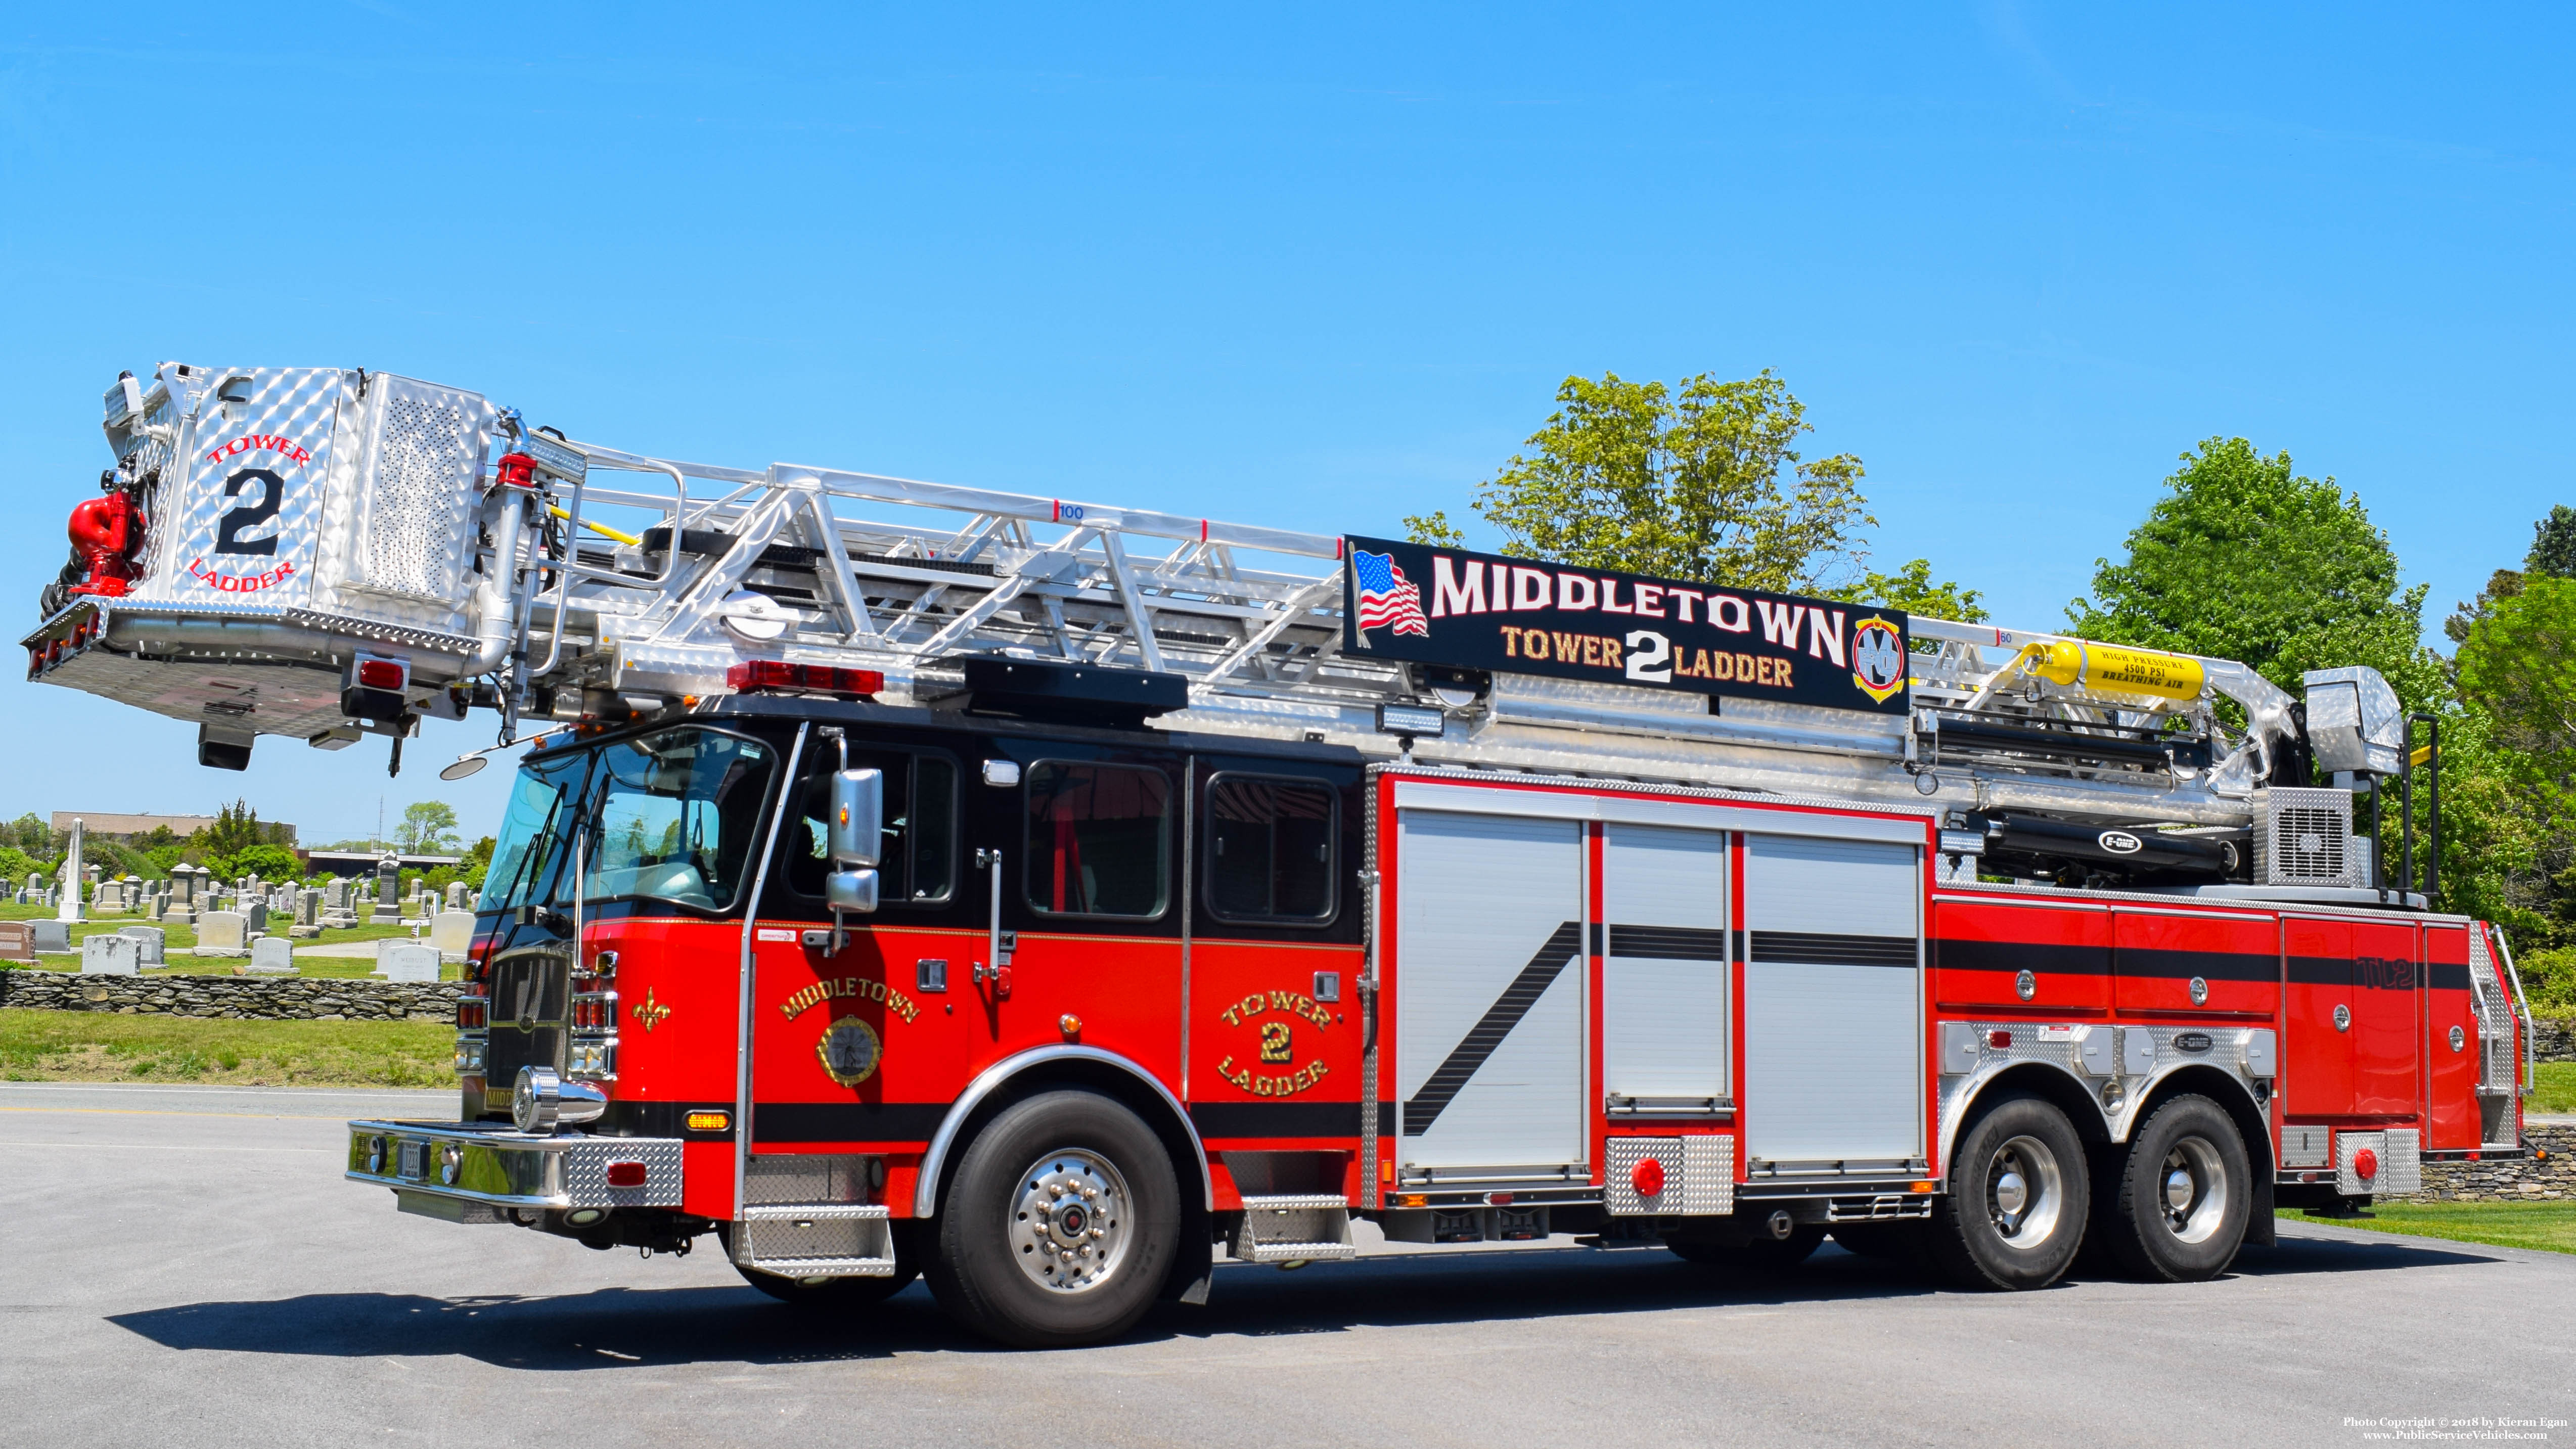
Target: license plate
[{"x": 415, "y": 1160}]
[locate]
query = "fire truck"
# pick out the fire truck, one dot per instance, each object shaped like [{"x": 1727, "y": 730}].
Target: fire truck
[{"x": 1052, "y": 900}]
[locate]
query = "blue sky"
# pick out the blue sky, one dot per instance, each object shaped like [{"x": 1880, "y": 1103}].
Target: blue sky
[{"x": 1317, "y": 268}]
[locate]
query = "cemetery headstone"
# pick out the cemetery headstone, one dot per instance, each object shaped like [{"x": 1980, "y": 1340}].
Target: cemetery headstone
[
  {"x": 17, "y": 941},
  {"x": 255, "y": 915},
  {"x": 407, "y": 961},
  {"x": 388, "y": 880},
  {"x": 150, "y": 940},
  {"x": 456, "y": 895},
  {"x": 51, "y": 936},
  {"x": 308, "y": 914},
  {"x": 452, "y": 933},
  {"x": 272, "y": 956},
  {"x": 222, "y": 933},
  {"x": 110, "y": 955}
]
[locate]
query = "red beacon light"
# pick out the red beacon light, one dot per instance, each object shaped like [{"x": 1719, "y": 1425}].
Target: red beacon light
[
  {"x": 777, "y": 676},
  {"x": 1648, "y": 1179}
]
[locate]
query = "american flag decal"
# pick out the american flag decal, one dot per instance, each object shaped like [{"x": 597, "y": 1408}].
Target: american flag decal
[{"x": 1387, "y": 598}]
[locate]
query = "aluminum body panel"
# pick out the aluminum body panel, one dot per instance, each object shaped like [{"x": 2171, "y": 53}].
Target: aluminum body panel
[
  {"x": 1698, "y": 1173},
  {"x": 1489, "y": 991},
  {"x": 238, "y": 517},
  {"x": 1833, "y": 994},
  {"x": 1664, "y": 977}
]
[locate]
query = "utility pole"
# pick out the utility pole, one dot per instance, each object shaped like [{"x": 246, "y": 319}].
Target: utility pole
[{"x": 379, "y": 841}]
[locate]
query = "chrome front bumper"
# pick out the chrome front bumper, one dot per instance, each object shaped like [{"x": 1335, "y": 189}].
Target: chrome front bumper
[{"x": 480, "y": 1172}]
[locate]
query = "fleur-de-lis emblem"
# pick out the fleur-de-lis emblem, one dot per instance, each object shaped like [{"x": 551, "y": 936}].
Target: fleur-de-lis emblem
[{"x": 650, "y": 1014}]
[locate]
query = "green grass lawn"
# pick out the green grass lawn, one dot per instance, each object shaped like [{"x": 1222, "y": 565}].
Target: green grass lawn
[
  {"x": 84, "y": 1046},
  {"x": 180, "y": 938},
  {"x": 2549, "y": 1226},
  {"x": 2553, "y": 1088}
]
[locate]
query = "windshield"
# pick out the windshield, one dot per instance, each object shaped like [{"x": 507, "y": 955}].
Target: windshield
[
  {"x": 676, "y": 814},
  {"x": 533, "y": 830}
]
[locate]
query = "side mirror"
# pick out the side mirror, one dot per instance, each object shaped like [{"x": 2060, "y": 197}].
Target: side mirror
[
  {"x": 851, "y": 890},
  {"x": 858, "y": 822}
]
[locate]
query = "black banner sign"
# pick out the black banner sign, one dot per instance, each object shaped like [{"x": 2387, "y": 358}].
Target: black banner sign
[{"x": 1423, "y": 605}]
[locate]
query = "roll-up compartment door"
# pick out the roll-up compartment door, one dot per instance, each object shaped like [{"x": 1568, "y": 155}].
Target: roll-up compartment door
[
  {"x": 1664, "y": 984},
  {"x": 1489, "y": 986},
  {"x": 1832, "y": 1003}
]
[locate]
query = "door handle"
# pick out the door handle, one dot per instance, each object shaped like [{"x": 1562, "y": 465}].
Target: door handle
[{"x": 1000, "y": 976}]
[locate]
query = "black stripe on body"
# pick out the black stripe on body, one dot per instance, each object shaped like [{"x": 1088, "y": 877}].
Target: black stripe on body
[
  {"x": 1819, "y": 948},
  {"x": 846, "y": 1121},
  {"x": 1667, "y": 943},
  {"x": 1470, "y": 1053}
]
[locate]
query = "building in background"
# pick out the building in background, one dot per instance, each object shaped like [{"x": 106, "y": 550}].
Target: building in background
[{"x": 117, "y": 826}]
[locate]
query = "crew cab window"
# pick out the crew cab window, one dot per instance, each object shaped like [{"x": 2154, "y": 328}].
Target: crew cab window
[
  {"x": 1099, "y": 842},
  {"x": 675, "y": 816},
  {"x": 1270, "y": 850},
  {"x": 917, "y": 863}
]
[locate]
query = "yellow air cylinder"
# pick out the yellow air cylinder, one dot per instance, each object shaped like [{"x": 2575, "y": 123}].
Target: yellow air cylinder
[{"x": 2115, "y": 670}]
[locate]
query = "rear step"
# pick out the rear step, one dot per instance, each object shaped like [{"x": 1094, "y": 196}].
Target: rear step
[{"x": 1297, "y": 1227}]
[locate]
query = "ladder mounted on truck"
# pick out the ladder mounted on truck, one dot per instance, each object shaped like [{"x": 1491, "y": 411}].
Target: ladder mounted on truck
[{"x": 324, "y": 553}]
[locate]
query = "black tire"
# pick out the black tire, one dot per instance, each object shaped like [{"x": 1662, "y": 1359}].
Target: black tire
[
  {"x": 1079, "y": 1173},
  {"x": 2185, "y": 1195},
  {"x": 842, "y": 1293},
  {"x": 2018, "y": 1194},
  {"x": 1765, "y": 1254}
]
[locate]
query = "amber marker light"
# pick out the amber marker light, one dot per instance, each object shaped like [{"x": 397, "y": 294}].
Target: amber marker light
[
  {"x": 709, "y": 1121},
  {"x": 1069, "y": 1024}
]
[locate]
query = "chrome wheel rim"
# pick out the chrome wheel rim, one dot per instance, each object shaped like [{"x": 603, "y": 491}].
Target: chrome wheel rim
[
  {"x": 1068, "y": 1227},
  {"x": 2025, "y": 1193},
  {"x": 2195, "y": 1190}
]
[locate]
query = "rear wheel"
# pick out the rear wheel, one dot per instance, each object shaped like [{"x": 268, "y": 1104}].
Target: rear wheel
[
  {"x": 2014, "y": 1215},
  {"x": 2180, "y": 1211},
  {"x": 1060, "y": 1225}
]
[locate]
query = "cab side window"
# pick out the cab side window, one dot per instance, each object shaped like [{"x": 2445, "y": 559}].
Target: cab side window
[
  {"x": 1270, "y": 850},
  {"x": 1099, "y": 841},
  {"x": 917, "y": 863}
]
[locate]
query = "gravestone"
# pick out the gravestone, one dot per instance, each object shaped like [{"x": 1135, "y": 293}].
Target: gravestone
[
  {"x": 308, "y": 914},
  {"x": 107, "y": 955},
  {"x": 150, "y": 940},
  {"x": 388, "y": 880},
  {"x": 407, "y": 961},
  {"x": 255, "y": 915},
  {"x": 51, "y": 936},
  {"x": 456, "y": 895},
  {"x": 271, "y": 956},
  {"x": 17, "y": 941},
  {"x": 452, "y": 933},
  {"x": 222, "y": 933}
]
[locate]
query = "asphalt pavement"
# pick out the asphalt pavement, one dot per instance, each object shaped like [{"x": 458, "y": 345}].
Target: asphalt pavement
[{"x": 188, "y": 1268}]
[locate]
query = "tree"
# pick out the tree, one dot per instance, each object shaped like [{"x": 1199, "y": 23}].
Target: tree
[
  {"x": 268, "y": 862},
  {"x": 1911, "y": 588},
  {"x": 477, "y": 861},
  {"x": 2244, "y": 559},
  {"x": 428, "y": 828},
  {"x": 236, "y": 828},
  {"x": 1699, "y": 482},
  {"x": 2553, "y": 544}
]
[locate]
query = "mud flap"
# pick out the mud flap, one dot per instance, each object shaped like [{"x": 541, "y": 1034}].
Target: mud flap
[{"x": 1194, "y": 1270}]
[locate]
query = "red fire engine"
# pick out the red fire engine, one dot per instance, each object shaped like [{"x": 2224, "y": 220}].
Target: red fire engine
[{"x": 1046, "y": 900}]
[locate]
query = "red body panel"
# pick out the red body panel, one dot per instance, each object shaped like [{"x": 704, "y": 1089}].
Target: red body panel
[
  {"x": 2451, "y": 1076},
  {"x": 2158, "y": 955}
]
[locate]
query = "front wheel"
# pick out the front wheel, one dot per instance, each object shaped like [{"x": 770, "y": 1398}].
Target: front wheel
[
  {"x": 2180, "y": 1209},
  {"x": 1060, "y": 1225},
  {"x": 2014, "y": 1215}
]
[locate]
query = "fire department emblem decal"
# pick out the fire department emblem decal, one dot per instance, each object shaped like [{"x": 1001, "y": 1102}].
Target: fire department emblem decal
[
  {"x": 849, "y": 1051},
  {"x": 1878, "y": 658}
]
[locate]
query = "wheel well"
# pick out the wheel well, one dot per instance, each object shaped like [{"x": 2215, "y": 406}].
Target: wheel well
[
  {"x": 1113, "y": 1082},
  {"x": 2049, "y": 1084}
]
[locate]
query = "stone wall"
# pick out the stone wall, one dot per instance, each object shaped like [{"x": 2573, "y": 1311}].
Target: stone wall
[
  {"x": 231, "y": 996},
  {"x": 2537, "y": 1178},
  {"x": 2553, "y": 1041}
]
